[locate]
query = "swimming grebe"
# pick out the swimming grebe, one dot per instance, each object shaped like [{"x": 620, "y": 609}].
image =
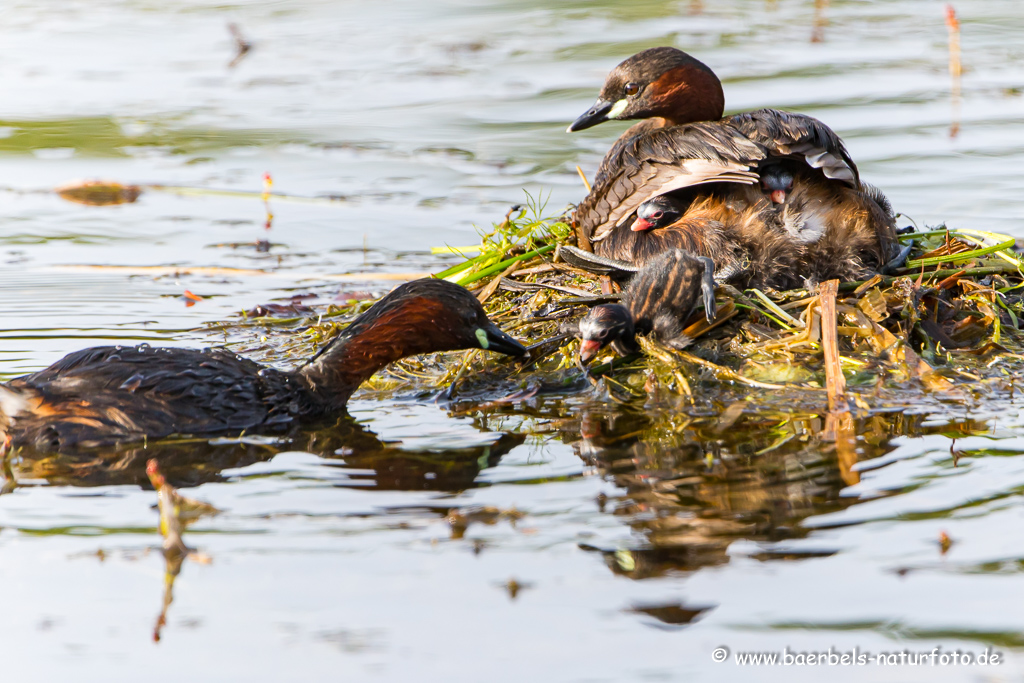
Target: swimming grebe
[
  {"x": 684, "y": 144},
  {"x": 111, "y": 394},
  {"x": 657, "y": 301}
]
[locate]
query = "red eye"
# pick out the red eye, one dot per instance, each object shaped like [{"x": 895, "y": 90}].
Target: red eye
[{"x": 657, "y": 214}]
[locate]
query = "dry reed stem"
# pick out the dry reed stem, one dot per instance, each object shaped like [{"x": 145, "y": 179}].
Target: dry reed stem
[
  {"x": 955, "y": 68},
  {"x": 492, "y": 286},
  {"x": 667, "y": 355},
  {"x": 725, "y": 312},
  {"x": 586, "y": 183},
  {"x": 835, "y": 383}
]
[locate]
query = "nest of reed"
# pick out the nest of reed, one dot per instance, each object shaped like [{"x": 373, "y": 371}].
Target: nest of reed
[{"x": 945, "y": 324}]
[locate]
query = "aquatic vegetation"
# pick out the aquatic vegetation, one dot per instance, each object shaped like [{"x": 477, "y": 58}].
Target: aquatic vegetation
[
  {"x": 948, "y": 319},
  {"x": 951, "y": 314}
]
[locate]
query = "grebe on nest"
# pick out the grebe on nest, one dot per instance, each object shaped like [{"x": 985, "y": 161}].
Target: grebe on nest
[{"x": 743, "y": 169}]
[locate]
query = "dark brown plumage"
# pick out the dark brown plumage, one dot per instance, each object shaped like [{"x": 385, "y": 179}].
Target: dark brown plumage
[
  {"x": 683, "y": 145},
  {"x": 657, "y": 301},
  {"x": 110, "y": 395},
  {"x": 758, "y": 244}
]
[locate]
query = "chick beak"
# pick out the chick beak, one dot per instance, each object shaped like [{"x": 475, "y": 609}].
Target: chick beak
[
  {"x": 640, "y": 224},
  {"x": 778, "y": 196},
  {"x": 588, "y": 349}
]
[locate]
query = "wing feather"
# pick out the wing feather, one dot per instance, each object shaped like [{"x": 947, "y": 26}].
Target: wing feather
[
  {"x": 648, "y": 162},
  {"x": 654, "y": 162},
  {"x": 782, "y": 133},
  {"x": 664, "y": 179}
]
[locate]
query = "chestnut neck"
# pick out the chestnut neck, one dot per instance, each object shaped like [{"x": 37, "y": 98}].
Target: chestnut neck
[
  {"x": 687, "y": 94},
  {"x": 375, "y": 339}
]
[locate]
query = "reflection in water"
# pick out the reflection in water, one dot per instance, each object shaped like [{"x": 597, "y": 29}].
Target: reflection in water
[
  {"x": 176, "y": 511},
  {"x": 692, "y": 488},
  {"x": 955, "y": 69},
  {"x": 461, "y": 519},
  {"x": 820, "y": 21},
  {"x": 671, "y": 614},
  {"x": 268, "y": 184},
  {"x": 694, "y": 483},
  {"x": 690, "y": 483},
  {"x": 366, "y": 461}
]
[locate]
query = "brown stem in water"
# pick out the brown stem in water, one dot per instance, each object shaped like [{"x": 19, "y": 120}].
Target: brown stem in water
[{"x": 955, "y": 68}]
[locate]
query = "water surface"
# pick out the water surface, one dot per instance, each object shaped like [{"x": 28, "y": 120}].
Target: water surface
[{"x": 591, "y": 543}]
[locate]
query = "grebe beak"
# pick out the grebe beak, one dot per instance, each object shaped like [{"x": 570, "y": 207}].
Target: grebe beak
[
  {"x": 493, "y": 339},
  {"x": 588, "y": 349},
  {"x": 595, "y": 115},
  {"x": 640, "y": 224},
  {"x": 778, "y": 196}
]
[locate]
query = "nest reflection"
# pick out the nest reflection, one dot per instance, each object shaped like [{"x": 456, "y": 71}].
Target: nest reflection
[{"x": 695, "y": 485}]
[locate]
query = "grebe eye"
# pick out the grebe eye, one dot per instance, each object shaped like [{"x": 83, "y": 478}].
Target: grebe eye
[{"x": 631, "y": 89}]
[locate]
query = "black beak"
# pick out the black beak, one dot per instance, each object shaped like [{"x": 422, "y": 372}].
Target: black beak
[
  {"x": 595, "y": 115},
  {"x": 501, "y": 342}
]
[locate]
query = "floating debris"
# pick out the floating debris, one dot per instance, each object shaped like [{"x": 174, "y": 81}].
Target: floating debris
[
  {"x": 242, "y": 45},
  {"x": 945, "y": 542},
  {"x": 514, "y": 587},
  {"x": 460, "y": 519},
  {"x": 99, "y": 192}
]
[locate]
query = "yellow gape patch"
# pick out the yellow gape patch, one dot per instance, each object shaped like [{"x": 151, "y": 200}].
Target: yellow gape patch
[{"x": 619, "y": 107}]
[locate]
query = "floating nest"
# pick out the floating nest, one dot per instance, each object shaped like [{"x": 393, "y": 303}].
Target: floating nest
[{"x": 948, "y": 322}]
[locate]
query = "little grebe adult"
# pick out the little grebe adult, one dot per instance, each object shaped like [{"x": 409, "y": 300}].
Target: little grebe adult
[
  {"x": 684, "y": 144},
  {"x": 657, "y": 301},
  {"x": 111, "y": 394}
]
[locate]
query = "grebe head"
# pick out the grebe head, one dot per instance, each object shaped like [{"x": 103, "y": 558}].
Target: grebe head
[
  {"x": 603, "y": 325},
  {"x": 776, "y": 183},
  {"x": 422, "y": 316},
  {"x": 445, "y": 316},
  {"x": 661, "y": 81}
]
